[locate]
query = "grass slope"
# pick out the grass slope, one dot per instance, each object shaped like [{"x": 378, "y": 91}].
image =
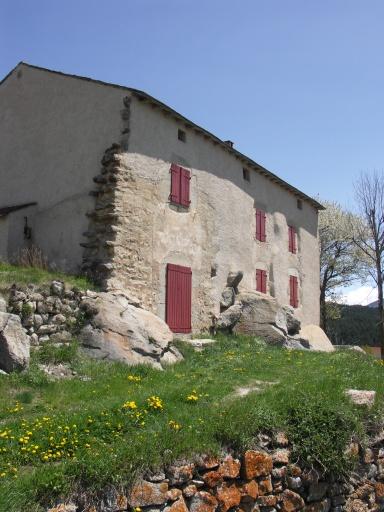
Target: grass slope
[
  {"x": 113, "y": 422},
  {"x": 10, "y": 274}
]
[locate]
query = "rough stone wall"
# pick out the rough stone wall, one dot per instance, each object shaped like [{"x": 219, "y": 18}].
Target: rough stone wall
[
  {"x": 48, "y": 314},
  {"x": 150, "y": 233},
  {"x": 135, "y": 231},
  {"x": 133, "y": 249},
  {"x": 264, "y": 479}
]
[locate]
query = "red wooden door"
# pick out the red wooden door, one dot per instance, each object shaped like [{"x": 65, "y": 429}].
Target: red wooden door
[{"x": 178, "y": 298}]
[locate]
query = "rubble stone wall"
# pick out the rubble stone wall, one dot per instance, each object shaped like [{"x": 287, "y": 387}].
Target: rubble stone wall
[
  {"x": 48, "y": 314},
  {"x": 264, "y": 479}
]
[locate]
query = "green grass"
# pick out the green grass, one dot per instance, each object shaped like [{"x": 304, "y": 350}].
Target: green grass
[
  {"x": 99, "y": 441},
  {"x": 10, "y": 274}
]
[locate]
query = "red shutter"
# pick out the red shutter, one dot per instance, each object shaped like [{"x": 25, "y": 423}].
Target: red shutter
[
  {"x": 258, "y": 280},
  {"x": 180, "y": 179},
  {"x": 260, "y": 225},
  {"x": 263, "y": 222},
  {"x": 293, "y": 292},
  {"x": 179, "y": 298},
  {"x": 175, "y": 184},
  {"x": 185, "y": 177},
  {"x": 264, "y": 281},
  {"x": 261, "y": 281},
  {"x": 292, "y": 239}
]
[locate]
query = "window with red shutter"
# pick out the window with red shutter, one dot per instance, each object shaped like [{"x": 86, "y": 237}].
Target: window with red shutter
[
  {"x": 292, "y": 239},
  {"x": 260, "y": 225},
  {"x": 175, "y": 184},
  {"x": 293, "y": 291},
  {"x": 261, "y": 281},
  {"x": 185, "y": 177},
  {"x": 180, "y": 188}
]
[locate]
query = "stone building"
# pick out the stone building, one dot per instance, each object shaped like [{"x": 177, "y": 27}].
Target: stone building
[{"x": 108, "y": 180}]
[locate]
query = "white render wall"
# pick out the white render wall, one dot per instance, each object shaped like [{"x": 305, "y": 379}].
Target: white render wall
[
  {"x": 219, "y": 227},
  {"x": 54, "y": 131}
]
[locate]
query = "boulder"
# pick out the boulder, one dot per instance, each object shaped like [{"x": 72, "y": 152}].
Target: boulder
[
  {"x": 14, "y": 343},
  {"x": 120, "y": 331},
  {"x": 316, "y": 337},
  {"x": 293, "y": 324},
  {"x": 200, "y": 344},
  {"x": 57, "y": 288},
  {"x": 296, "y": 343},
  {"x": 261, "y": 315},
  {"x": 227, "y": 297},
  {"x": 260, "y": 308},
  {"x": 234, "y": 279},
  {"x": 361, "y": 396},
  {"x": 229, "y": 318},
  {"x": 356, "y": 348}
]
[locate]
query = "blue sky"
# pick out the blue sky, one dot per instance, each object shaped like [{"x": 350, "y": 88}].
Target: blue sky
[{"x": 298, "y": 85}]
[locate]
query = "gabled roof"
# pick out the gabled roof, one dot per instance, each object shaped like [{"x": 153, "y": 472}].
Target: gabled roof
[{"x": 143, "y": 96}]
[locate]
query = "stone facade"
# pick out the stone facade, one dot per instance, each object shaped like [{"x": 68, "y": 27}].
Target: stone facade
[
  {"x": 264, "y": 479},
  {"x": 116, "y": 222}
]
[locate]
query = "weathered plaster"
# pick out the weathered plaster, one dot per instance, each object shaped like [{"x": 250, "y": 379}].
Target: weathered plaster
[
  {"x": 219, "y": 227},
  {"x": 54, "y": 131}
]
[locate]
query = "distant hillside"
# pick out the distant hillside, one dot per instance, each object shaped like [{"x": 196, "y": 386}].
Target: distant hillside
[{"x": 356, "y": 326}]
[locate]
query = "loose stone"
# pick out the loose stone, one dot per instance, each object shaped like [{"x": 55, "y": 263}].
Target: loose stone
[{"x": 256, "y": 464}]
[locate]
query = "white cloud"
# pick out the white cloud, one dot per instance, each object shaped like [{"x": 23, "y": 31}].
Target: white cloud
[{"x": 363, "y": 295}]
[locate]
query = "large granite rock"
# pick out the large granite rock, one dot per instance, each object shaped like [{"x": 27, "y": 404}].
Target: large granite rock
[
  {"x": 227, "y": 297},
  {"x": 316, "y": 337},
  {"x": 229, "y": 318},
  {"x": 234, "y": 279},
  {"x": 14, "y": 343},
  {"x": 260, "y": 309},
  {"x": 255, "y": 313},
  {"x": 259, "y": 314},
  {"x": 120, "y": 331}
]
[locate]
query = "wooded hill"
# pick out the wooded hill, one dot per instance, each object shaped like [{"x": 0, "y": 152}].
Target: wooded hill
[{"x": 357, "y": 325}]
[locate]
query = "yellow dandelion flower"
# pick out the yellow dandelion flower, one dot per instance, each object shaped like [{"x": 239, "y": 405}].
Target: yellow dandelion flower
[
  {"x": 130, "y": 405},
  {"x": 155, "y": 402}
]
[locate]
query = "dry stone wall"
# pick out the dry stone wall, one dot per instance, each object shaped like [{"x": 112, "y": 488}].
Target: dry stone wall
[
  {"x": 109, "y": 325},
  {"x": 259, "y": 480},
  {"x": 48, "y": 314}
]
